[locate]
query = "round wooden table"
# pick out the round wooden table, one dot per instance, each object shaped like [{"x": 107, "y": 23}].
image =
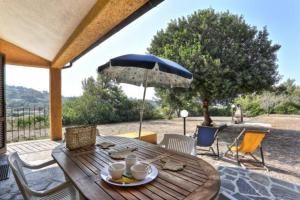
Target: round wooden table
[{"x": 198, "y": 180}]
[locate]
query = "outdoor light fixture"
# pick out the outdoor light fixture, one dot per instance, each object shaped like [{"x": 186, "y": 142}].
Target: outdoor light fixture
[{"x": 184, "y": 114}]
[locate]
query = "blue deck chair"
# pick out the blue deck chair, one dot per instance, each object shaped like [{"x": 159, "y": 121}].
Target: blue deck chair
[{"x": 206, "y": 137}]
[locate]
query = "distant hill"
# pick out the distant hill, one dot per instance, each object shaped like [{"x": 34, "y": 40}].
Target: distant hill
[{"x": 17, "y": 96}]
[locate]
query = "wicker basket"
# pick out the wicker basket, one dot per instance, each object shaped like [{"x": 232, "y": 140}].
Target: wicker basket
[{"x": 80, "y": 136}]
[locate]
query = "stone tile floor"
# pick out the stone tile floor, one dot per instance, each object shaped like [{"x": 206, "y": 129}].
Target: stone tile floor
[
  {"x": 246, "y": 185},
  {"x": 236, "y": 183}
]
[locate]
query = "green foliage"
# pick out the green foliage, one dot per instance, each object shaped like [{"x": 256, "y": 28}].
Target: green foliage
[
  {"x": 104, "y": 102},
  {"x": 287, "y": 108},
  {"x": 289, "y": 88},
  {"x": 26, "y": 122},
  {"x": 227, "y": 57},
  {"x": 220, "y": 111},
  {"x": 172, "y": 101},
  {"x": 250, "y": 104},
  {"x": 285, "y": 99}
]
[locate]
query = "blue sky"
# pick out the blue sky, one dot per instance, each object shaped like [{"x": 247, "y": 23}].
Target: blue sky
[{"x": 281, "y": 17}]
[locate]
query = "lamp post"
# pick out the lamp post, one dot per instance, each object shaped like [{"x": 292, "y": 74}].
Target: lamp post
[{"x": 184, "y": 114}]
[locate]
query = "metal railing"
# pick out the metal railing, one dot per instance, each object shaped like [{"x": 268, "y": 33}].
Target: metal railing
[{"x": 27, "y": 123}]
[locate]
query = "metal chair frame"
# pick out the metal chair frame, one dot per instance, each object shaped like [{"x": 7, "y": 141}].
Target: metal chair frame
[
  {"x": 237, "y": 156},
  {"x": 210, "y": 148}
]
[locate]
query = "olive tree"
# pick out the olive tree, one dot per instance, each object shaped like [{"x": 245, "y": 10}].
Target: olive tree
[{"x": 226, "y": 55}]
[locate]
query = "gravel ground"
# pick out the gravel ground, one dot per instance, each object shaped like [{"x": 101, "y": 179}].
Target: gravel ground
[{"x": 281, "y": 146}]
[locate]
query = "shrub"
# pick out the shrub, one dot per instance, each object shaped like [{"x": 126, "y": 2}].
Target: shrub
[
  {"x": 220, "y": 111},
  {"x": 287, "y": 108},
  {"x": 250, "y": 105}
]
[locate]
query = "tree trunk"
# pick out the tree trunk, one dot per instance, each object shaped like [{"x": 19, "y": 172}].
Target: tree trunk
[
  {"x": 178, "y": 113},
  {"x": 170, "y": 114},
  {"x": 207, "y": 120}
]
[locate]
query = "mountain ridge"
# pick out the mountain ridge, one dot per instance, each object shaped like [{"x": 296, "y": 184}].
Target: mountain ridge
[{"x": 19, "y": 96}]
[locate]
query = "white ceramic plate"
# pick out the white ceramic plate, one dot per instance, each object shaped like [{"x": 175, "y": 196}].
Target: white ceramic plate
[{"x": 150, "y": 177}]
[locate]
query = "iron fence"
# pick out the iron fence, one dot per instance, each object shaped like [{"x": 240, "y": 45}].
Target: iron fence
[{"x": 27, "y": 123}]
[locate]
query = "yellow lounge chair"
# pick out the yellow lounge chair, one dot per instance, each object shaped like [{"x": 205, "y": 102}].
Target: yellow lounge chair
[{"x": 251, "y": 142}]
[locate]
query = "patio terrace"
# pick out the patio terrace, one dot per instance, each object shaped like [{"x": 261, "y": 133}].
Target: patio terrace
[{"x": 282, "y": 182}]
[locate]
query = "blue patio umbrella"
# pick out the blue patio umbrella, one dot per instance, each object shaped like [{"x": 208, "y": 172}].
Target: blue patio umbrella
[{"x": 148, "y": 71}]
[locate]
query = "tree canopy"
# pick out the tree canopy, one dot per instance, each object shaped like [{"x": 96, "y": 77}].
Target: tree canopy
[
  {"x": 226, "y": 55},
  {"x": 103, "y": 101}
]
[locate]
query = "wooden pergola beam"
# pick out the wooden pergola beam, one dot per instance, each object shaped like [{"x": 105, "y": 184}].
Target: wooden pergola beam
[
  {"x": 17, "y": 56},
  {"x": 104, "y": 15}
]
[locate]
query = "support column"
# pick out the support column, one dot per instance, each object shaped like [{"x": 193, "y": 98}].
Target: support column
[{"x": 55, "y": 104}]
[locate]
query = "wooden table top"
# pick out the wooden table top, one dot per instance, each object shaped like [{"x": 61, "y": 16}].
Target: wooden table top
[{"x": 198, "y": 180}]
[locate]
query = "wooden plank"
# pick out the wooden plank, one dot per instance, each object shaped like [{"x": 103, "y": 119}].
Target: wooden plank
[
  {"x": 168, "y": 190},
  {"x": 189, "y": 172},
  {"x": 86, "y": 170},
  {"x": 15, "y": 148},
  {"x": 31, "y": 148},
  {"x": 181, "y": 175},
  {"x": 94, "y": 160},
  {"x": 211, "y": 187},
  {"x": 37, "y": 146},
  {"x": 195, "y": 166},
  {"x": 138, "y": 194},
  {"x": 104, "y": 157},
  {"x": 91, "y": 190},
  {"x": 124, "y": 192},
  {"x": 182, "y": 183},
  {"x": 120, "y": 141},
  {"x": 153, "y": 150},
  {"x": 159, "y": 192},
  {"x": 174, "y": 187},
  {"x": 148, "y": 193},
  {"x": 69, "y": 167},
  {"x": 46, "y": 145},
  {"x": 23, "y": 149},
  {"x": 109, "y": 190},
  {"x": 197, "y": 181},
  {"x": 87, "y": 164}
]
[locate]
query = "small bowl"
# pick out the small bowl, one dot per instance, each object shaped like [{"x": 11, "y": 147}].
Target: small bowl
[
  {"x": 116, "y": 170},
  {"x": 140, "y": 171}
]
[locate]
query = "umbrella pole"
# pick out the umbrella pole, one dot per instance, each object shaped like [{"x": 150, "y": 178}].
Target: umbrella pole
[{"x": 142, "y": 108}]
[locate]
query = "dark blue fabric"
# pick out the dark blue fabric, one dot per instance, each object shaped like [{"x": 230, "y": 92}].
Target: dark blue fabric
[
  {"x": 206, "y": 136},
  {"x": 148, "y": 61}
]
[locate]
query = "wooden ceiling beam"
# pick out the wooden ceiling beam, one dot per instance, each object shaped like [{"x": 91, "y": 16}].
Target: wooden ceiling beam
[
  {"x": 17, "y": 56},
  {"x": 103, "y": 17}
]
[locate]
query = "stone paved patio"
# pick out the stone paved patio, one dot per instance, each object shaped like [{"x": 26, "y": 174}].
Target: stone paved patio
[
  {"x": 236, "y": 182},
  {"x": 244, "y": 184}
]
